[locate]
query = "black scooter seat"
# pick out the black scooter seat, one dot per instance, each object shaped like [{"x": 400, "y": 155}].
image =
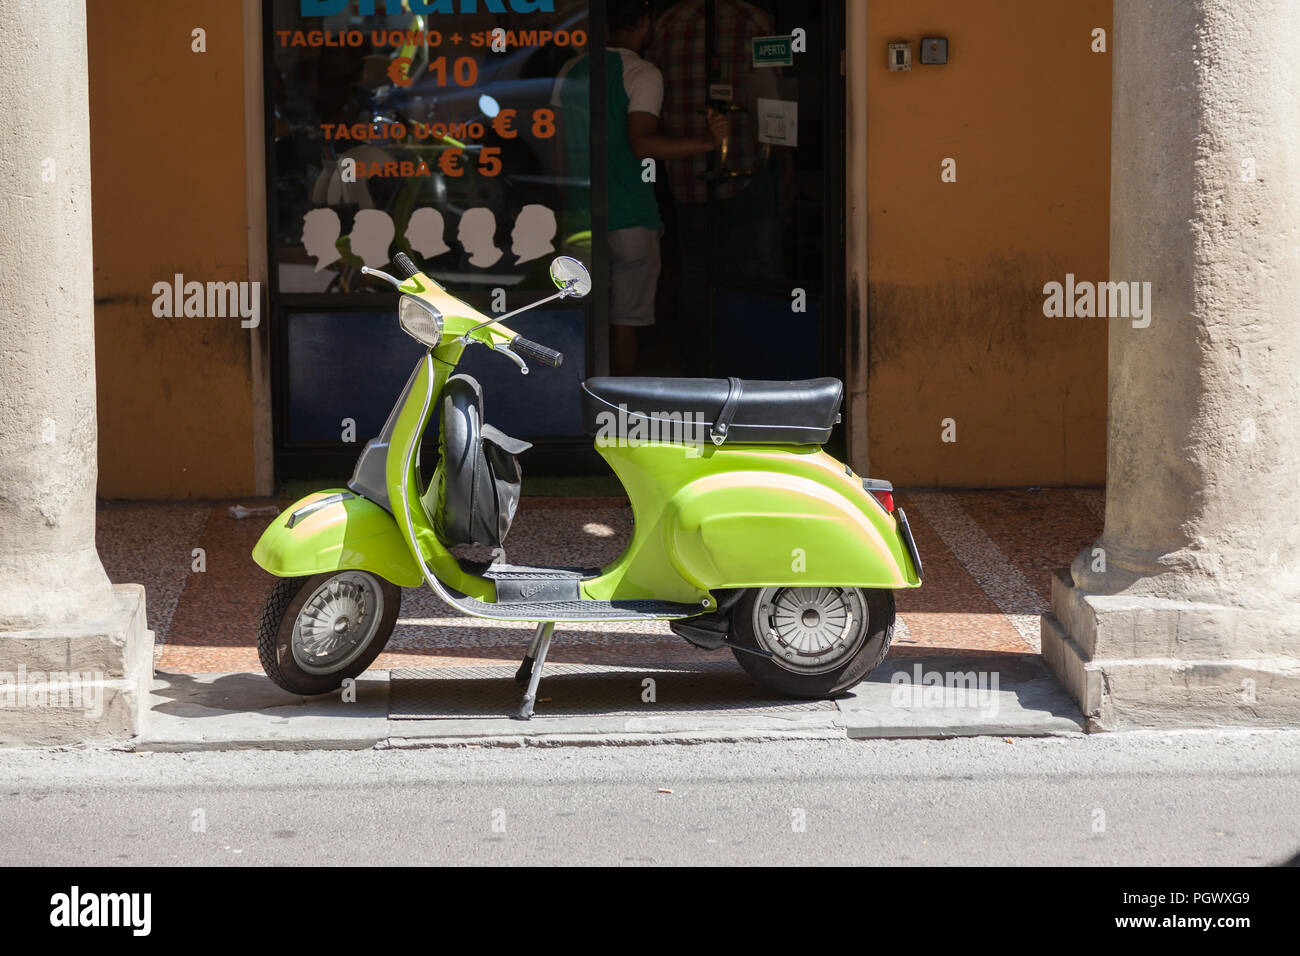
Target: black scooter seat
[{"x": 788, "y": 413}]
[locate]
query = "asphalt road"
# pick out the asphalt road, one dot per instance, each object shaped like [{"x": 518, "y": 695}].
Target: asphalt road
[{"x": 1193, "y": 799}]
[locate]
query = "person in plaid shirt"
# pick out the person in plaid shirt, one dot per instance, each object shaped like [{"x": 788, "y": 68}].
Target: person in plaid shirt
[
  {"x": 677, "y": 48},
  {"x": 741, "y": 237}
]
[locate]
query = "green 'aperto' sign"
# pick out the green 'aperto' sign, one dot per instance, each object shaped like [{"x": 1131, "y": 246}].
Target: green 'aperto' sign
[{"x": 773, "y": 51}]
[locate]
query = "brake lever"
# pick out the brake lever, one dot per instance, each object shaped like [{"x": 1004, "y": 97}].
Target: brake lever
[
  {"x": 523, "y": 369},
  {"x": 367, "y": 271}
]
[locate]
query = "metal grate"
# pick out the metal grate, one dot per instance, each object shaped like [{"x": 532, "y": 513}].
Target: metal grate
[{"x": 579, "y": 690}]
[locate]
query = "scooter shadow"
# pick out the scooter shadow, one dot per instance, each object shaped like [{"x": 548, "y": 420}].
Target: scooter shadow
[{"x": 220, "y": 695}]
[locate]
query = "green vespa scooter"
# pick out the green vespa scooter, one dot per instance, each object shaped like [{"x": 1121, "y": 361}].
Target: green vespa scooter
[{"x": 747, "y": 534}]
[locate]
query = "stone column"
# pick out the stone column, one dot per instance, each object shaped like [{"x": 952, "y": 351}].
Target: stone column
[
  {"x": 1185, "y": 612},
  {"x": 67, "y": 637}
]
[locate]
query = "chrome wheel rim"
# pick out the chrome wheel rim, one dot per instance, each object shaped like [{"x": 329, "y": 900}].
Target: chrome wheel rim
[
  {"x": 810, "y": 630},
  {"x": 337, "y": 622}
]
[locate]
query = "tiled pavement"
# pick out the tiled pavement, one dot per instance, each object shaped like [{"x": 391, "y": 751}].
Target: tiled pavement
[{"x": 988, "y": 556}]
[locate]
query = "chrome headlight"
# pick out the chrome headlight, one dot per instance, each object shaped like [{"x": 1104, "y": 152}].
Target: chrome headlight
[{"x": 419, "y": 320}]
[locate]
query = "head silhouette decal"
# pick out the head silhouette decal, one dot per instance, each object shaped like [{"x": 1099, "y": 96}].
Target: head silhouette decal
[
  {"x": 477, "y": 234},
  {"x": 320, "y": 233},
  {"x": 533, "y": 234},
  {"x": 424, "y": 232},
  {"x": 372, "y": 232}
]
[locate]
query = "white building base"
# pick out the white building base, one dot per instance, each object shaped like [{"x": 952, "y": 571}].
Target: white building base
[
  {"x": 1149, "y": 663},
  {"x": 86, "y": 682}
]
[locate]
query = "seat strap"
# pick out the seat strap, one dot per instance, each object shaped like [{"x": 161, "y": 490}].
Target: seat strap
[{"x": 719, "y": 430}]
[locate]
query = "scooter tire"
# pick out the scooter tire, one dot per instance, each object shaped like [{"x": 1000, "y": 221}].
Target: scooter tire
[
  {"x": 766, "y": 671},
  {"x": 275, "y": 634}
]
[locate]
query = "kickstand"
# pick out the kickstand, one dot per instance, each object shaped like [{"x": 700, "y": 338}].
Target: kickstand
[
  {"x": 526, "y": 668},
  {"x": 530, "y": 671}
]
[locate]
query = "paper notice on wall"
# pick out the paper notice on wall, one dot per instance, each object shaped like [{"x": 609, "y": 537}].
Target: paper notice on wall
[{"x": 778, "y": 122}]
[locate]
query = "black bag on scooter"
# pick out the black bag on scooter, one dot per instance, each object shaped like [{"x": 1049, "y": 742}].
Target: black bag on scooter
[{"x": 477, "y": 478}]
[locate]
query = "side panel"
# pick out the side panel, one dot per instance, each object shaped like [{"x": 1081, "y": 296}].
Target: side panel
[
  {"x": 352, "y": 533},
  {"x": 750, "y": 529}
]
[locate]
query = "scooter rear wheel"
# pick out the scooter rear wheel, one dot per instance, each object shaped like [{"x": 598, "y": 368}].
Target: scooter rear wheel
[
  {"x": 318, "y": 631},
  {"x": 823, "y": 640}
]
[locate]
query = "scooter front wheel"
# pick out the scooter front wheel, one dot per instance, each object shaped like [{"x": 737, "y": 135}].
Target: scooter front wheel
[
  {"x": 318, "y": 631},
  {"x": 821, "y": 640}
]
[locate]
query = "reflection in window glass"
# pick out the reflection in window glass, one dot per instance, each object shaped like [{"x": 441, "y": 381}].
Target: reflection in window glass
[{"x": 409, "y": 133}]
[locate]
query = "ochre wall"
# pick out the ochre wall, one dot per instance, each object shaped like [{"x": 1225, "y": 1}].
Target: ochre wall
[
  {"x": 956, "y": 271},
  {"x": 168, "y": 196}
]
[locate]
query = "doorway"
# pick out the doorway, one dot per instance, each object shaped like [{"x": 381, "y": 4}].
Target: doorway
[{"x": 752, "y": 281}]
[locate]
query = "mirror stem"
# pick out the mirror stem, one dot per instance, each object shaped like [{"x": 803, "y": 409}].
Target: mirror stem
[{"x": 501, "y": 318}]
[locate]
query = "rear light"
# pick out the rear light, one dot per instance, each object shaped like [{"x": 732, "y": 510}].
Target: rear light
[{"x": 882, "y": 491}]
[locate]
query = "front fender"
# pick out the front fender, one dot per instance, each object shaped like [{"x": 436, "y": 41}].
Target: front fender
[{"x": 335, "y": 530}]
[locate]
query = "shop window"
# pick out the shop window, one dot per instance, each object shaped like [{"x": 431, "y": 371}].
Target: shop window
[
  {"x": 441, "y": 136},
  {"x": 411, "y": 134}
]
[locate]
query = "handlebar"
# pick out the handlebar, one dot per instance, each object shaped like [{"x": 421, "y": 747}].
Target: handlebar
[
  {"x": 538, "y": 353},
  {"x": 521, "y": 346},
  {"x": 405, "y": 266}
]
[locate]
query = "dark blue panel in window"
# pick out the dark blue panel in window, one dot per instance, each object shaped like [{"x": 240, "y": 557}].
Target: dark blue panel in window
[{"x": 354, "y": 364}]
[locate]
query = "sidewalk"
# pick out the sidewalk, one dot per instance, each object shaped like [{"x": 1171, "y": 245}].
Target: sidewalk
[{"x": 988, "y": 556}]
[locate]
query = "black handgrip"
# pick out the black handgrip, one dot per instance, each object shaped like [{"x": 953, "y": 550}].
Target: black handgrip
[
  {"x": 405, "y": 266},
  {"x": 538, "y": 353}
]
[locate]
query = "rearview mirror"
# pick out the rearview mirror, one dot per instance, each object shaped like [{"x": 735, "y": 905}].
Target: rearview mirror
[{"x": 570, "y": 277}]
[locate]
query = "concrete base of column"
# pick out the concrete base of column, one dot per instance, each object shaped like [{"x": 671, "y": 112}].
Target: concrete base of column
[
  {"x": 75, "y": 683},
  {"x": 1138, "y": 663}
]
